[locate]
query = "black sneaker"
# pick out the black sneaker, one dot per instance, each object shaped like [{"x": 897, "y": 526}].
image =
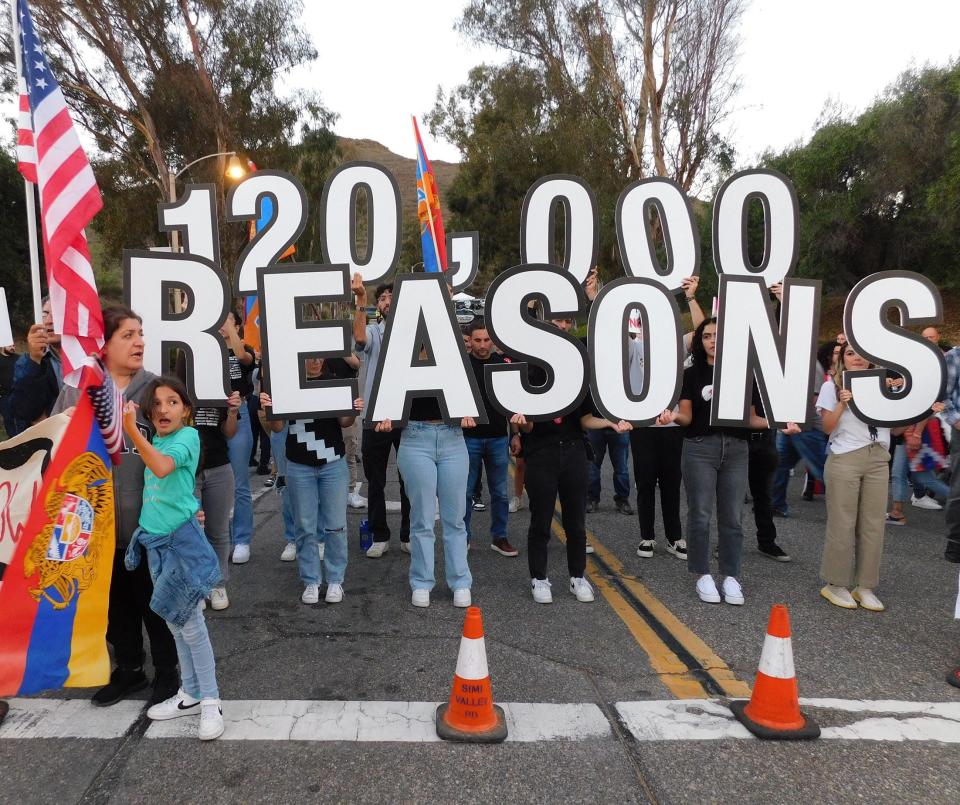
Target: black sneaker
[
  {"x": 623, "y": 506},
  {"x": 123, "y": 682},
  {"x": 677, "y": 548},
  {"x": 593, "y": 506},
  {"x": 479, "y": 505},
  {"x": 774, "y": 552},
  {"x": 166, "y": 683},
  {"x": 646, "y": 548}
]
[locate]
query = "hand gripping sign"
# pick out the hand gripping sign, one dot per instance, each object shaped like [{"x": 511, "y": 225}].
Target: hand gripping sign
[{"x": 422, "y": 354}]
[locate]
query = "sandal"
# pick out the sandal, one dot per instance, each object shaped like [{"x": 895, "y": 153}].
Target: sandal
[{"x": 896, "y": 519}]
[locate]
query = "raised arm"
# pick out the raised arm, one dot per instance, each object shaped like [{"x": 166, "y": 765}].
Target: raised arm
[{"x": 360, "y": 313}]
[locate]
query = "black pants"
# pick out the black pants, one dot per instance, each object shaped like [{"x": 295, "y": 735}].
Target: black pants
[
  {"x": 375, "y": 453},
  {"x": 763, "y": 464},
  {"x": 656, "y": 461},
  {"x": 557, "y": 469},
  {"x": 261, "y": 439},
  {"x": 129, "y": 612}
]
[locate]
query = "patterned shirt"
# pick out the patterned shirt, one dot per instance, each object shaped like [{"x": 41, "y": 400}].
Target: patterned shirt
[{"x": 952, "y": 411}]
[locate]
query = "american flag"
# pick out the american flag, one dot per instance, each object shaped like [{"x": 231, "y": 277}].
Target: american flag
[
  {"x": 50, "y": 155},
  {"x": 107, "y": 402}
]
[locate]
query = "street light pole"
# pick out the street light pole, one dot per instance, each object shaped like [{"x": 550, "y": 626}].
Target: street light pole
[{"x": 172, "y": 187}]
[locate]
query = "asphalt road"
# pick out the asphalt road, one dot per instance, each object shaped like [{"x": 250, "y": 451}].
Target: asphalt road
[{"x": 375, "y": 647}]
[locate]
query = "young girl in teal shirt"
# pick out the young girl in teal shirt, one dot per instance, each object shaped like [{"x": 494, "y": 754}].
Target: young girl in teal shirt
[{"x": 181, "y": 561}]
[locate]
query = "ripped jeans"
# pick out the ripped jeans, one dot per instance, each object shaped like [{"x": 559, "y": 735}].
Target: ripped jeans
[{"x": 318, "y": 497}]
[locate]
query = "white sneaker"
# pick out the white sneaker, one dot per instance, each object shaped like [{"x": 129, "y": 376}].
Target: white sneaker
[
  {"x": 334, "y": 594},
  {"x": 311, "y": 594},
  {"x": 241, "y": 554},
  {"x": 589, "y": 548},
  {"x": 378, "y": 549},
  {"x": 707, "y": 590},
  {"x": 289, "y": 552},
  {"x": 218, "y": 598},
  {"x": 732, "y": 591},
  {"x": 321, "y": 549},
  {"x": 180, "y": 704},
  {"x": 867, "y": 599},
  {"x": 646, "y": 548},
  {"x": 514, "y": 506},
  {"x": 356, "y": 501},
  {"x": 581, "y": 588},
  {"x": 678, "y": 548},
  {"x": 436, "y": 511},
  {"x": 925, "y": 503},
  {"x": 541, "y": 591},
  {"x": 392, "y": 505},
  {"x": 211, "y": 720},
  {"x": 405, "y": 547},
  {"x": 461, "y": 598},
  {"x": 203, "y": 604},
  {"x": 838, "y": 596},
  {"x": 420, "y": 598}
]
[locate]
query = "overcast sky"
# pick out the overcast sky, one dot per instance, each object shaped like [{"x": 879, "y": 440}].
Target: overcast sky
[{"x": 381, "y": 61}]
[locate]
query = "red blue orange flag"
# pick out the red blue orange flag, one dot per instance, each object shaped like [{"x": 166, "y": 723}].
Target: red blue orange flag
[
  {"x": 56, "y": 555},
  {"x": 432, "y": 237}
]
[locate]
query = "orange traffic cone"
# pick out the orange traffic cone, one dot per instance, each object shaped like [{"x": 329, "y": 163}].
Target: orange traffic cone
[
  {"x": 773, "y": 711},
  {"x": 471, "y": 714}
]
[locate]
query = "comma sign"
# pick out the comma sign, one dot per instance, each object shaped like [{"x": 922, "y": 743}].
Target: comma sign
[{"x": 754, "y": 343}]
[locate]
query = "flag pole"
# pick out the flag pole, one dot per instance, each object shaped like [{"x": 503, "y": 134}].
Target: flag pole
[
  {"x": 28, "y": 185},
  {"x": 423, "y": 173}
]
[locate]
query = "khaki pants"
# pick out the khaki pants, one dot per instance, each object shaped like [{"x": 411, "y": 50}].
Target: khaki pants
[
  {"x": 351, "y": 440},
  {"x": 856, "y": 516}
]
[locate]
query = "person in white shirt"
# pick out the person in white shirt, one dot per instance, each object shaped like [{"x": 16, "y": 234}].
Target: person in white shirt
[{"x": 857, "y": 475}]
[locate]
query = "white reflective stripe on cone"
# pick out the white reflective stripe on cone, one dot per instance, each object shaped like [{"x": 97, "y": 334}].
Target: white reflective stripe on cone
[
  {"x": 472, "y": 660},
  {"x": 776, "y": 660}
]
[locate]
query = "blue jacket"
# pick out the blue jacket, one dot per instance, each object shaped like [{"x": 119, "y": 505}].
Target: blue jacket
[{"x": 182, "y": 565}]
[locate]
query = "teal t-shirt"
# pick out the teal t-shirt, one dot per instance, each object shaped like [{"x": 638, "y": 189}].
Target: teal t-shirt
[{"x": 169, "y": 502}]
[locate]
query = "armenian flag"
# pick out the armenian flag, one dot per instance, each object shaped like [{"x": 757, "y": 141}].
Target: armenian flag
[
  {"x": 432, "y": 237},
  {"x": 57, "y": 540}
]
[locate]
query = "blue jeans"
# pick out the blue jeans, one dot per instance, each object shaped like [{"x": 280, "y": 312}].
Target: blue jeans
[
  {"x": 811, "y": 446},
  {"x": 495, "y": 453},
  {"x": 715, "y": 472},
  {"x": 198, "y": 669},
  {"x": 241, "y": 525},
  {"x": 319, "y": 499},
  {"x": 278, "y": 449},
  {"x": 433, "y": 462},
  {"x": 619, "y": 444},
  {"x": 927, "y": 481}
]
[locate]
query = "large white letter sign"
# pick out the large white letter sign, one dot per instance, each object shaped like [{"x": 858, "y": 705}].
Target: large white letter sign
[
  {"x": 580, "y": 224},
  {"x": 869, "y": 331},
  {"x": 781, "y": 215},
  {"x": 527, "y": 340},
  {"x": 289, "y": 339},
  {"x": 750, "y": 345},
  {"x": 289, "y": 201},
  {"x": 195, "y": 217},
  {"x": 635, "y": 235},
  {"x": 463, "y": 259},
  {"x": 338, "y": 219},
  {"x": 148, "y": 279},
  {"x": 608, "y": 341},
  {"x": 422, "y": 316}
]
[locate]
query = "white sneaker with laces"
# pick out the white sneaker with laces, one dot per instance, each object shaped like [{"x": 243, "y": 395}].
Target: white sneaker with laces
[
  {"x": 732, "y": 591},
  {"x": 355, "y": 500},
  {"x": 420, "y": 598},
  {"x": 377, "y": 550},
  {"x": 677, "y": 548},
  {"x": 925, "y": 503},
  {"x": 289, "y": 552},
  {"x": 541, "y": 591},
  {"x": 218, "y": 598},
  {"x": 334, "y": 594},
  {"x": 180, "y": 704},
  {"x": 707, "y": 589},
  {"x": 646, "y": 548},
  {"x": 461, "y": 598},
  {"x": 405, "y": 547},
  {"x": 311, "y": 594},
  {"x": 241, "y": 554},
  {"x": 581, "y": 588},
  {"x": 211, "y": 720}
]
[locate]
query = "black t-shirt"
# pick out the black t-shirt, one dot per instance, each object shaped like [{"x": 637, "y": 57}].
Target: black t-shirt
[
  {"x": 240, "y": 375},
  {"x": 698, "y": 388},
  {"x": 213, "y": 444},
  {"x": 315, "y": 442},
  {"x": 559, "y": 429},
  {"x": 497, "y": 424},
  {"x": 425, "y": 409}
]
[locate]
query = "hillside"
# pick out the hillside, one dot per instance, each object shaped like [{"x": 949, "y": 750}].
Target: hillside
[{"x": 405, "y": 171}]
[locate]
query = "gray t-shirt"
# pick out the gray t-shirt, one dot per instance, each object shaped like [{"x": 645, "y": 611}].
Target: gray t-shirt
[{"x": 369, "y": 356}]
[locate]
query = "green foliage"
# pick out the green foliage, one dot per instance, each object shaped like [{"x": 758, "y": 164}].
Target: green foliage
[{"x": 882, "y": 191}]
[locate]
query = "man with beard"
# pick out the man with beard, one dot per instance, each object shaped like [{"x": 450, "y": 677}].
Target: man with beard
[{"x": 375, "y": 446}]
